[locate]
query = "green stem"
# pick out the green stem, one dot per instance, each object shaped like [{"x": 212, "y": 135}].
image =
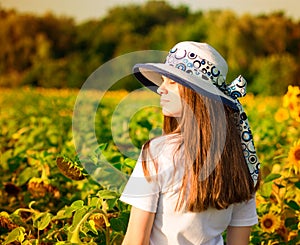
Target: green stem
[
  {"x": 107, "y": 236},
  {"x": 44, "y": 173},
  {"x": 25, "y": 210},
  {"x": 38, "y": 237}
]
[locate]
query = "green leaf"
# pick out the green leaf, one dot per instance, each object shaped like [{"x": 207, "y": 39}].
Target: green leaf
[
  {"x": 297, "y": 184},
  {"x": 111, "y": 203},
  {"x": 16, "y": 234},
  {"x": 101, "y": 148},
  {"x": 271, "y": 177},
  {"x": 20, "y": 149},
  {"x": 77, "y": 204},
  {"x": 27, "y": 174},
  {"x": 129, "y": 163},
  {"x": 91, "y": 226},
  {"x": 292, "y": 204},
  {"x": 279, "y": 185},
  {"x": 75, "y": 228},
  {"x": 106, "y": 194},
  {"x": 43, "y": 221},
  {"x": 77, "y": 217},
  {"x": 118, "y": 224},
  {"x": 94, "y": 202},
  {"x": 62, "y": 214},
  {"x": 116, "y": 159},
  {"x": 290, "y": 222},
  {"x": 266, "y": 189},
  {"x": 145, "y": 124},
  {"x": 74, "y": 206},
  {"x": 5, "y": 156}
]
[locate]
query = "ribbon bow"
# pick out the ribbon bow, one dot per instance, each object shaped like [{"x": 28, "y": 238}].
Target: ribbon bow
[{"x": 237, "y": 88}]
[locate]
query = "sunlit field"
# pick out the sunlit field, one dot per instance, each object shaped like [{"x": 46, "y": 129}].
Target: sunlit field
[{"x": 47, "y": 197}]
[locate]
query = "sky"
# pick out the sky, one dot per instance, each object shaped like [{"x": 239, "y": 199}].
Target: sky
[{"x": 82, "y": 10}]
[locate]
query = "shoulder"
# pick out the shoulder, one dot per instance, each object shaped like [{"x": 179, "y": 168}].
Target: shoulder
[{"x": 165, "y": 144}]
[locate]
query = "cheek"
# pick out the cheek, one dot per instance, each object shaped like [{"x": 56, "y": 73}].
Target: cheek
[
  {"x": 174, "y": 107},
  {"x": 178, "y": 103}
]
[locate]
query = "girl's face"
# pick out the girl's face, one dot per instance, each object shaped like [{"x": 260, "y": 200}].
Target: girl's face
[{"x": 170, "y": 99}]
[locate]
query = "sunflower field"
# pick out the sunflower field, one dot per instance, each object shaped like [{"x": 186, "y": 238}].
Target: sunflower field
[{"x": 48, "y": 197}]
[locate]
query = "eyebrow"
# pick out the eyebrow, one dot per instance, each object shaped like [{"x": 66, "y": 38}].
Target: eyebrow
[{"x": 165, "y": 78}]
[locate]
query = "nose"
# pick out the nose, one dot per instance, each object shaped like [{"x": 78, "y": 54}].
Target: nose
[{"x": 162, "y": 89}]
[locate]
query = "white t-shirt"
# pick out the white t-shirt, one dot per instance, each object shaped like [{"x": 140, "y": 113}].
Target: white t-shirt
[{"x": 160, "y": 197}]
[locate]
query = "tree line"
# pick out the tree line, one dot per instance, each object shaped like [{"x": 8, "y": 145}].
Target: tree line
[{"x": 52, "y": 51}]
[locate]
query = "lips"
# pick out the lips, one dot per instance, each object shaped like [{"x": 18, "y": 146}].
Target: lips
[{"x": 163, "y": 101}]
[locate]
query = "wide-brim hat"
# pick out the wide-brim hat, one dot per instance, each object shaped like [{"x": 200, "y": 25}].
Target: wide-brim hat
[
  {"x": 197, "y": 66},
  {"x": 201, "y": 68}
]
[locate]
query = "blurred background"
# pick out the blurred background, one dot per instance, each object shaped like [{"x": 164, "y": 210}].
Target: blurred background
[{"x": 59, "y": 43}]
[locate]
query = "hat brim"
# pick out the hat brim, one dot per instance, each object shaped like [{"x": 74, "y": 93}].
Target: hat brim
[{"x": 149, "y": 74}]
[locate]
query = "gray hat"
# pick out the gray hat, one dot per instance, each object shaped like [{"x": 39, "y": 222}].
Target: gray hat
[{"x": 195, "y": 65}]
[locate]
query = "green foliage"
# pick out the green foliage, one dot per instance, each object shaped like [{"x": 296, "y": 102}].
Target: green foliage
[
  {"x": 270, "y": 82},
  {"x": 47, "y": 197},
  {"x": 50, "y": 51}
]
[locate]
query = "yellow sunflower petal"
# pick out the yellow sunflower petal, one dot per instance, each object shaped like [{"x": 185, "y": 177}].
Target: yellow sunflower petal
[
  {"x": 294, "y": 157},
  {"x": 291, "y": 101},
  {"x": 281, "y": 115},
  {"x": 269, "y": 222}
]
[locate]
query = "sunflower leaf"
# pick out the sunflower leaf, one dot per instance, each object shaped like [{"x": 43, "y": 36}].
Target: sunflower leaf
[
  {"x": 266, "y": 189},
  {"x": 271, "y": 177},
  {"x": 292, "y": 204}
]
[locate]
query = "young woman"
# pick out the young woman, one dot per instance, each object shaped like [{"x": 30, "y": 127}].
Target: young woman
[{"x": 199, "y": 178}]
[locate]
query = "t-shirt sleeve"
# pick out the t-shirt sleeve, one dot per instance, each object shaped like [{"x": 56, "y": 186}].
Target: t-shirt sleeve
[
  {"x": 244, "y": 214},
  {"x": 139, "y": 192}
]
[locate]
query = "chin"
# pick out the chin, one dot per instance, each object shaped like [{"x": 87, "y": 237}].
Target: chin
[{"x": 170, "y": 114}]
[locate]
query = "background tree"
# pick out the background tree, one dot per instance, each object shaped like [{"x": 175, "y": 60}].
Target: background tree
[{"x": 51, "y": 51}]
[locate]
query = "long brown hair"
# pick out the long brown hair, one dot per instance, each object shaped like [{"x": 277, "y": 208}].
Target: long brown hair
[{"x": 216, "y": 174}]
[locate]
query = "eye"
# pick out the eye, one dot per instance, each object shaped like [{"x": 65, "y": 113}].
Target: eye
[
  {"x": 167, "y": 80},
  {"x": 171, "y": 81}
]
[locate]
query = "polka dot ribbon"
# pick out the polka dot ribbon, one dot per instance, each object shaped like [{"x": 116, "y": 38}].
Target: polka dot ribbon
[{"x": 235, "y": 90}]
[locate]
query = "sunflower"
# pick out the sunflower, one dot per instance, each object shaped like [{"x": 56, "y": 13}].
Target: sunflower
[
  {"x": 99, "y": 219},
  {"x": 70, "y": 169},
  {"x": 6, "y": 222},
  {"x": 39, "y": 188},
  {"x": 294, "y": 157},
  {"x": 291, "y": 95},
  {"x": 269, "y": 222},
  {"x": 283, "y": 232},
  {"x": 281, "y": 115},
  {"x": 291, "y": 101},
  {"x": 295, "y": 114}
]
